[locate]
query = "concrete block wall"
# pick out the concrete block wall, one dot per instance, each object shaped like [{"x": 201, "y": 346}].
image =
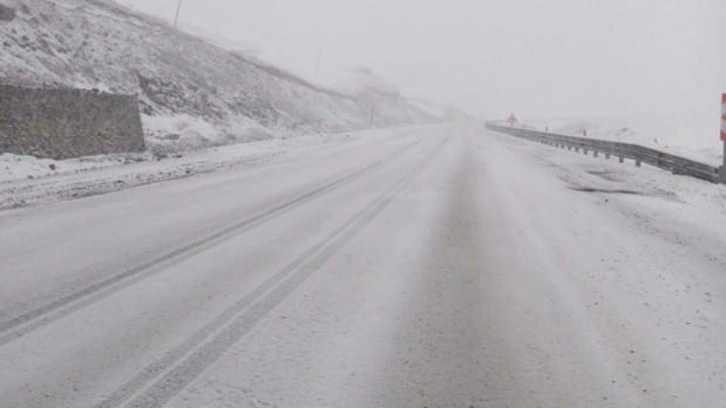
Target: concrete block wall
[{"x": 67, "y": 123}]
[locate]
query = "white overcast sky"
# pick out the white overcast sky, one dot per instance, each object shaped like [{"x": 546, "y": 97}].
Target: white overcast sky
[{"x": 535, "y": 57}]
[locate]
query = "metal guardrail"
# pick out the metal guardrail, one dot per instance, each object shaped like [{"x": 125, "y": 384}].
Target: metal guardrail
[{"x": 639, "y": 154}]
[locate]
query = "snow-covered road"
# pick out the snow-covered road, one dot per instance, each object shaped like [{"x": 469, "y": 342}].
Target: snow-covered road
[{"x": 436, "y": 267}]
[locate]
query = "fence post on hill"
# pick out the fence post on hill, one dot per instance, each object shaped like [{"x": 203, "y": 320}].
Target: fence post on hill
[{"x": 722, "y": 170}]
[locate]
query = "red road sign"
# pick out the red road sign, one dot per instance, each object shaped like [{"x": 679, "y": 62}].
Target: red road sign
[{"x": 723, "y": 117}]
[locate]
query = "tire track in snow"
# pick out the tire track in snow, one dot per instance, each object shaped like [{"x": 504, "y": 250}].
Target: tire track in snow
[
  {"x": 159, "y": 382},
  {"x": 27, "y": 322}
]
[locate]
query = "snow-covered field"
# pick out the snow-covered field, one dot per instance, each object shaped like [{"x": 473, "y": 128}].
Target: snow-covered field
[
  {"x": 693, "y": 137},
  {"x": 26, "y": 180}
]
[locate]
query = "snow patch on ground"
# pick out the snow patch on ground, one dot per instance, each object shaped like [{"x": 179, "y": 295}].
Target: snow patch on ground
[
  {"x": 182, "y": 132},
  {"x": 26, "y": 180},
  {"x": 15, "y": 167},
  {"x": 683, "y": 204}
]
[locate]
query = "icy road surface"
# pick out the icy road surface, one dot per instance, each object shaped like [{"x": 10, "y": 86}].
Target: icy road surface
[{"x": 438, "y": 267}]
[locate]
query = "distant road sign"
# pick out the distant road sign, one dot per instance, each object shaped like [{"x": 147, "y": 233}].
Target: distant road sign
[{"x": 723, "y": 117}]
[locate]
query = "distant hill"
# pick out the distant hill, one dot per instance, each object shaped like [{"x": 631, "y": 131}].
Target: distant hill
[{"x": 445, "y": 113}]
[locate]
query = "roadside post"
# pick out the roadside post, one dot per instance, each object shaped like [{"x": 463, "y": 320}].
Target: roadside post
[{"x": 722, "y": 171}]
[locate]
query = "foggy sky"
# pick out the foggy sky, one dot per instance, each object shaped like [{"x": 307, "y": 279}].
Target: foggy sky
[{"x": 545, "y": 58}]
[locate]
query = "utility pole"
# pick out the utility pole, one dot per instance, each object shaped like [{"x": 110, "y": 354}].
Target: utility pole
[
  {"x": 317, "y": 63},
  {"x": 176, "y": 17}
]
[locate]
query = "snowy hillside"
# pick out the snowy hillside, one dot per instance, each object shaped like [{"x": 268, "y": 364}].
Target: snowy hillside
[
  {"x": 447, "y": 113},
  {"x": 191, "y": 93},
  {"x": 382, "y": 100}
]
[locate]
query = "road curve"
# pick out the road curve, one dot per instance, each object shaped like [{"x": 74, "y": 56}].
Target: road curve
[{"x": 436, "y": 268}]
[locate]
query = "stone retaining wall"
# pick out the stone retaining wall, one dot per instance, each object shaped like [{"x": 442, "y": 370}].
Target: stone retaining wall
[{"x": 67, "y": 123}]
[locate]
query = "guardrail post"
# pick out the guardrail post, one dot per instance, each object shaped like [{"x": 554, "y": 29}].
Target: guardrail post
[
  {"x": 594, "y": 153},
  {"x": 621, "y": 159},
  {"x": 637, "y": 163},
  {"x": 607, "y": 155}
]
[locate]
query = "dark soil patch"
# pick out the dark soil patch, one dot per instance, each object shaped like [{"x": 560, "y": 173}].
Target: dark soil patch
[{"x": 605, "y": 191}]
